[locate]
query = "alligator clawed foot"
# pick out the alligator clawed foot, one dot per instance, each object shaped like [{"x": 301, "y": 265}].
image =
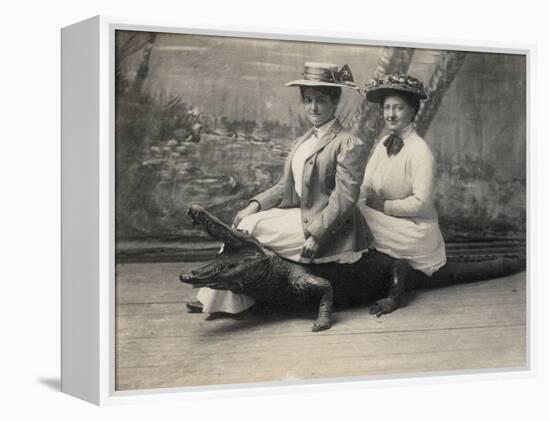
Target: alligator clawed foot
[
  {"x": 322, "y": 323},
  {"x": 383, "y": 306}
]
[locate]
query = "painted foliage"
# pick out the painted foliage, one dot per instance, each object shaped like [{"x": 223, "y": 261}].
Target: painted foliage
[{"x": 207, "y": 120}]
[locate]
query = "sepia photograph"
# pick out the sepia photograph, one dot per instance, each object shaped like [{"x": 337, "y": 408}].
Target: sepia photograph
[{"x": 292, "y": 211}]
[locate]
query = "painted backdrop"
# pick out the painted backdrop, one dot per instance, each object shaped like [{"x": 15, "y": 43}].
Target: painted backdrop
[{"x": 202, "y": 119}]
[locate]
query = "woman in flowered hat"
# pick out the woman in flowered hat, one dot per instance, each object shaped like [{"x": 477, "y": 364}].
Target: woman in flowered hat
[
  {"x": 310, "y": 215},
  {"x": 398, "y": 187}
]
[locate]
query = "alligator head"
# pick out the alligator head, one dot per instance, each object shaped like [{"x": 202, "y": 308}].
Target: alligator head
[{"x": 241, "y": 262}]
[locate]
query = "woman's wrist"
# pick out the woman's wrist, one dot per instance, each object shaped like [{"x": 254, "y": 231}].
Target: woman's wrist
[
  {"x": 376, "y": 202},
  {"x": 254, "y": 205}
]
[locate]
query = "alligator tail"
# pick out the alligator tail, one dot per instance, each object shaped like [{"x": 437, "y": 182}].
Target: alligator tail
[{"x": 465, "y": 269}]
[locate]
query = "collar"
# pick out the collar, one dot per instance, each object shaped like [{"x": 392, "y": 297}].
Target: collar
[
  {"x": 404, "y": 133},
  {"x": 325, "y": 128}
]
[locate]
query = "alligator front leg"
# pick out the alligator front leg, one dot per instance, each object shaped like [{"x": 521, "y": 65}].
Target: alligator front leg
[{"x": 306, "y": 283}]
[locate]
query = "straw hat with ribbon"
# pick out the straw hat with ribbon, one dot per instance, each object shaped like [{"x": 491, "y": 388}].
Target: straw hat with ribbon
[{"x": 325, "y": 74}]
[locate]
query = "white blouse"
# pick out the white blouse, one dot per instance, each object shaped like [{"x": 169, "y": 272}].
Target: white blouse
[
  {"x": 304, "y": 151},
  {"x": 408, "y": 228}
]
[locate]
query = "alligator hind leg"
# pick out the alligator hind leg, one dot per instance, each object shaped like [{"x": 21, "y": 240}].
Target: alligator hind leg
[
  {"x": 399, "y": 275},
  {"x": 308, "y": 284}
]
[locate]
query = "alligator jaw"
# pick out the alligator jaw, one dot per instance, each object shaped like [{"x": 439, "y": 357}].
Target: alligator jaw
[
  {"x": 242, "y": 260},
  {"x": 204, "y": 273},
  {"x": 229, "y": 272},
  {"x": 220, "y": 231}
]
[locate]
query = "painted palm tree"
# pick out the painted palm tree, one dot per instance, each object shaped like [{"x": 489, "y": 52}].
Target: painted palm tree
[
  {"x": 367, "y": 121},
  {"x": 443, "y": 75},
  {"x": 128, "y": 93},
  {"x": 124, "y": 48},
  {"x": 130, "y": 121}
]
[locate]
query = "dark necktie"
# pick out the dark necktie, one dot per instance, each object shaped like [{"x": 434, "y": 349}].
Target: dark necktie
[{"x": 393, "y": 144}]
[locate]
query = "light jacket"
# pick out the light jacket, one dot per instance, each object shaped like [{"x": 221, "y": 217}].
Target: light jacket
[{"x": 331, "y": 182}]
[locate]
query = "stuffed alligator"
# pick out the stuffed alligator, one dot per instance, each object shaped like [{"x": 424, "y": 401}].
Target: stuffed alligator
[{"x": 246, "y": 267}]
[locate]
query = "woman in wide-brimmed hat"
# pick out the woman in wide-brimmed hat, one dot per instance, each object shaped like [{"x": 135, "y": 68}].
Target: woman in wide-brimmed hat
[
  {"x": 398, "y": 187},
  {"x": 310, "y": 215}
]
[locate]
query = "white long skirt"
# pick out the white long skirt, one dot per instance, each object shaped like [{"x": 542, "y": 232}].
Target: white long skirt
[{"x": 417, "y": 240}]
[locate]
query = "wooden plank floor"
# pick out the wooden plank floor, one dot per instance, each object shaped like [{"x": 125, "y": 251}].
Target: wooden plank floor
[{"x": 159, "y": 344}]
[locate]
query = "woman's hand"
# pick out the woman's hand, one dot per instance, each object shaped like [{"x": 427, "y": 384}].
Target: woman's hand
[
  {"x": 375, "y": 201},
  {"x": 252, "y": 208},
  {"x": 309, "y": 250}
]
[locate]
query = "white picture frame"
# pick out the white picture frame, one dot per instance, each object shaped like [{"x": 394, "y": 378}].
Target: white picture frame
[{"x": 88, "y": 239}]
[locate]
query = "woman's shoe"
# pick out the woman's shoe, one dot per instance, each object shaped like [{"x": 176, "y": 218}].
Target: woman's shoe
[{"x": 194, "y": 307}]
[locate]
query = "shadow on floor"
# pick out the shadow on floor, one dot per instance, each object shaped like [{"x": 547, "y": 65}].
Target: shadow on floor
[
  {"x": 51, "y": 382},
  {"x": 264, "y": 314}
]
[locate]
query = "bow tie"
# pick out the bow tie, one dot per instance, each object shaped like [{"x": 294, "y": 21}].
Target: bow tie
[
  {"x": 316, "y": 132},
  {"x": 393, "y": 144}
]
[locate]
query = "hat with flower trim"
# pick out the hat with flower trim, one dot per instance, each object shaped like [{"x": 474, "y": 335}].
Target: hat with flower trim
[
  {"x": 325, "y": 74},
  {"x": 377, "y": 89}
]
